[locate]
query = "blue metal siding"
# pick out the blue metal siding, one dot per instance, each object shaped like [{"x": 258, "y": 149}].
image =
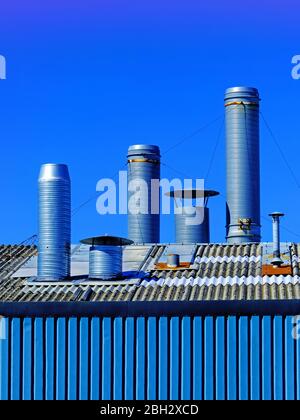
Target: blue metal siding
[{"x": 150, "y": 358}]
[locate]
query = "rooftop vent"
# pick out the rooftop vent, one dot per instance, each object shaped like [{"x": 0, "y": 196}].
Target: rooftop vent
[
  {"x": 105, "y": 260},
  {"x": 277, "y": 261},
  {"x": 54, "y": 247},
  {"x": 192, "y": 222},
  {"x": 243, "y": 167},
  {"x": 173, "y": 260}
]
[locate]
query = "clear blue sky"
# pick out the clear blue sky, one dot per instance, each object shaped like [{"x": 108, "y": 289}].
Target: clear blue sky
[{"x": 87, "y": 79}]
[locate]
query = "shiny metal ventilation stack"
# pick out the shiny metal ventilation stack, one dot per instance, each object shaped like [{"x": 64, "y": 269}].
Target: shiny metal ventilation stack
[
  {"x": 54, "y": 248},
  {"x": 143, "y": 212},
  {"x": 192, "y": 222},
  {"x": 243, "y": 165},
  {"x": 277, "y": 261},
  {"x": 105, "y": 256}
]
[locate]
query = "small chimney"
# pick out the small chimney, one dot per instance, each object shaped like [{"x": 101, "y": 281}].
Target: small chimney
[
  {"x": 105, "y": 259},
  {"x": 192, "y": 222},
  {"x": 277, "y": 261},
  {"x": 173, "y": 260},
  {"x": 54, "y": 247}
]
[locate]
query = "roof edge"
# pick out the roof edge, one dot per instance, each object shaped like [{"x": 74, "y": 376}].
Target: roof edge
[{"x": 153, "y": 308}]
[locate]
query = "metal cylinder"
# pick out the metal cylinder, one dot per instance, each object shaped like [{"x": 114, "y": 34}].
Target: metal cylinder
[
  {"x": 143, "y": 206},
  {"x": 243, "y": 165},
  {"x": 173, "y": 260},
  {"x": 188, "y": 230},
  {"x": 54, "y": 248},
  {"x": 105, "y": 262},
  {"x": 276, "y": 238}
]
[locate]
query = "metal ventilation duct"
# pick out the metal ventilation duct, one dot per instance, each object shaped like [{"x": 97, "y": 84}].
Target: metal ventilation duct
[
  {"x": 189, "y": 233},
  {"x": 243, "y": 165},
  {"x": 192, "y": 221},
  {"x": 277, "y": 261},
  {"x": 173, "y": 260},
  {"x": 54, "y": 247},
  {"x": 143, "y": 164},
  {"x": 105, "y": 260}
]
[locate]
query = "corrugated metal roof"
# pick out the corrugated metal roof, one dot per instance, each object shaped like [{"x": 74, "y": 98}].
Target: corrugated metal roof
[{"x": 216, "y": 272}]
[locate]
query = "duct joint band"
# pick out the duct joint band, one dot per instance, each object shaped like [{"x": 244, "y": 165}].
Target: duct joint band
[
  {"x": 242, "y": 103},
  {"x": 144, "y": 161}
]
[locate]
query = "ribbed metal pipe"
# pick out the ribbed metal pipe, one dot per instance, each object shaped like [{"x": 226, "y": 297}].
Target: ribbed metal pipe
[
  {"x": 187, "y": 233},
  {"x": 243, "y": 165},
  {"x": 105, "y": 262},
  {"x": 144, "y": 164},
  {"x": 54, "y": 248}
]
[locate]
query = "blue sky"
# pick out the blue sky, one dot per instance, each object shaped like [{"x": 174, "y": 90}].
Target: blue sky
[{"x": 86, "y": 81}]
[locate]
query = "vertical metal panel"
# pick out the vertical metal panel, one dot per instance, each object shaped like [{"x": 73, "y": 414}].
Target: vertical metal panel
[
  {"x": 255, "y": 358},
  {"x": 174, "y": 358},
  {"x": 61, "y": 359},
  {"x": 220, "y": 359},
  {"x": 209, "y": 358},
  {"x": 243, "y": 359},
  {"x": 266, "y": 358},
  {"x": 140, "y": 359},
  {"x": 152, "y": 359},
  {"x": 197, "y": 359},
  {"x": 278, "y": 344},
  {"x": 4, "y": 358},
  {"x": 38, "y": 368},
  {"x": 106, "y": 358},
  {"x": 232, "y": 358},
  {"x": 289, "y": 360},
  {"x": 295, "y": 332},
  {"x": 27, "y": 359},
  {"x": 129, "y": 359},
  {"x": 118, "y": 359},
  {"x": 163, "y": 359},
  {"x": 186, "y": 359},
  {"x": 50, "y": 356},
  {"x": 83, "y": 358},
  {"x": 95, "y": 359},
  {"x": 72, "y": 359},
  {"x": 15, "y": 359}
]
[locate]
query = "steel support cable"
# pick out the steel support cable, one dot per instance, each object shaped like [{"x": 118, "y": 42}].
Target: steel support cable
[
  {"x": 183, "y": 140},
  {"x": 214, "y": 152},
  {"x": 284, "y": 158},
  {"x": 95, "y": 195},
  {"x": 193, "y": 134},
  {"x": 283, "y": 227}
]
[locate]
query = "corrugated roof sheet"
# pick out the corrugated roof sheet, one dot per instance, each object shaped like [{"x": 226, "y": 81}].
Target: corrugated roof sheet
[{"x": 216, "y": 272}]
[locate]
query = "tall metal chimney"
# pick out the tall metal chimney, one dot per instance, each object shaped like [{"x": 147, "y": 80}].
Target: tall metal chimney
[
  {"x": 54, "y": 248},
  {"x": 243, "y": 165},
  {"x": 276, "y": 238},
  {"x": 143, "y": 168}
]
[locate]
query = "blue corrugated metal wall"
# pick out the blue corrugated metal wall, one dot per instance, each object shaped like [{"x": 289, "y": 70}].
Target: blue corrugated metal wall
[{"x": 150, "y": 358}]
